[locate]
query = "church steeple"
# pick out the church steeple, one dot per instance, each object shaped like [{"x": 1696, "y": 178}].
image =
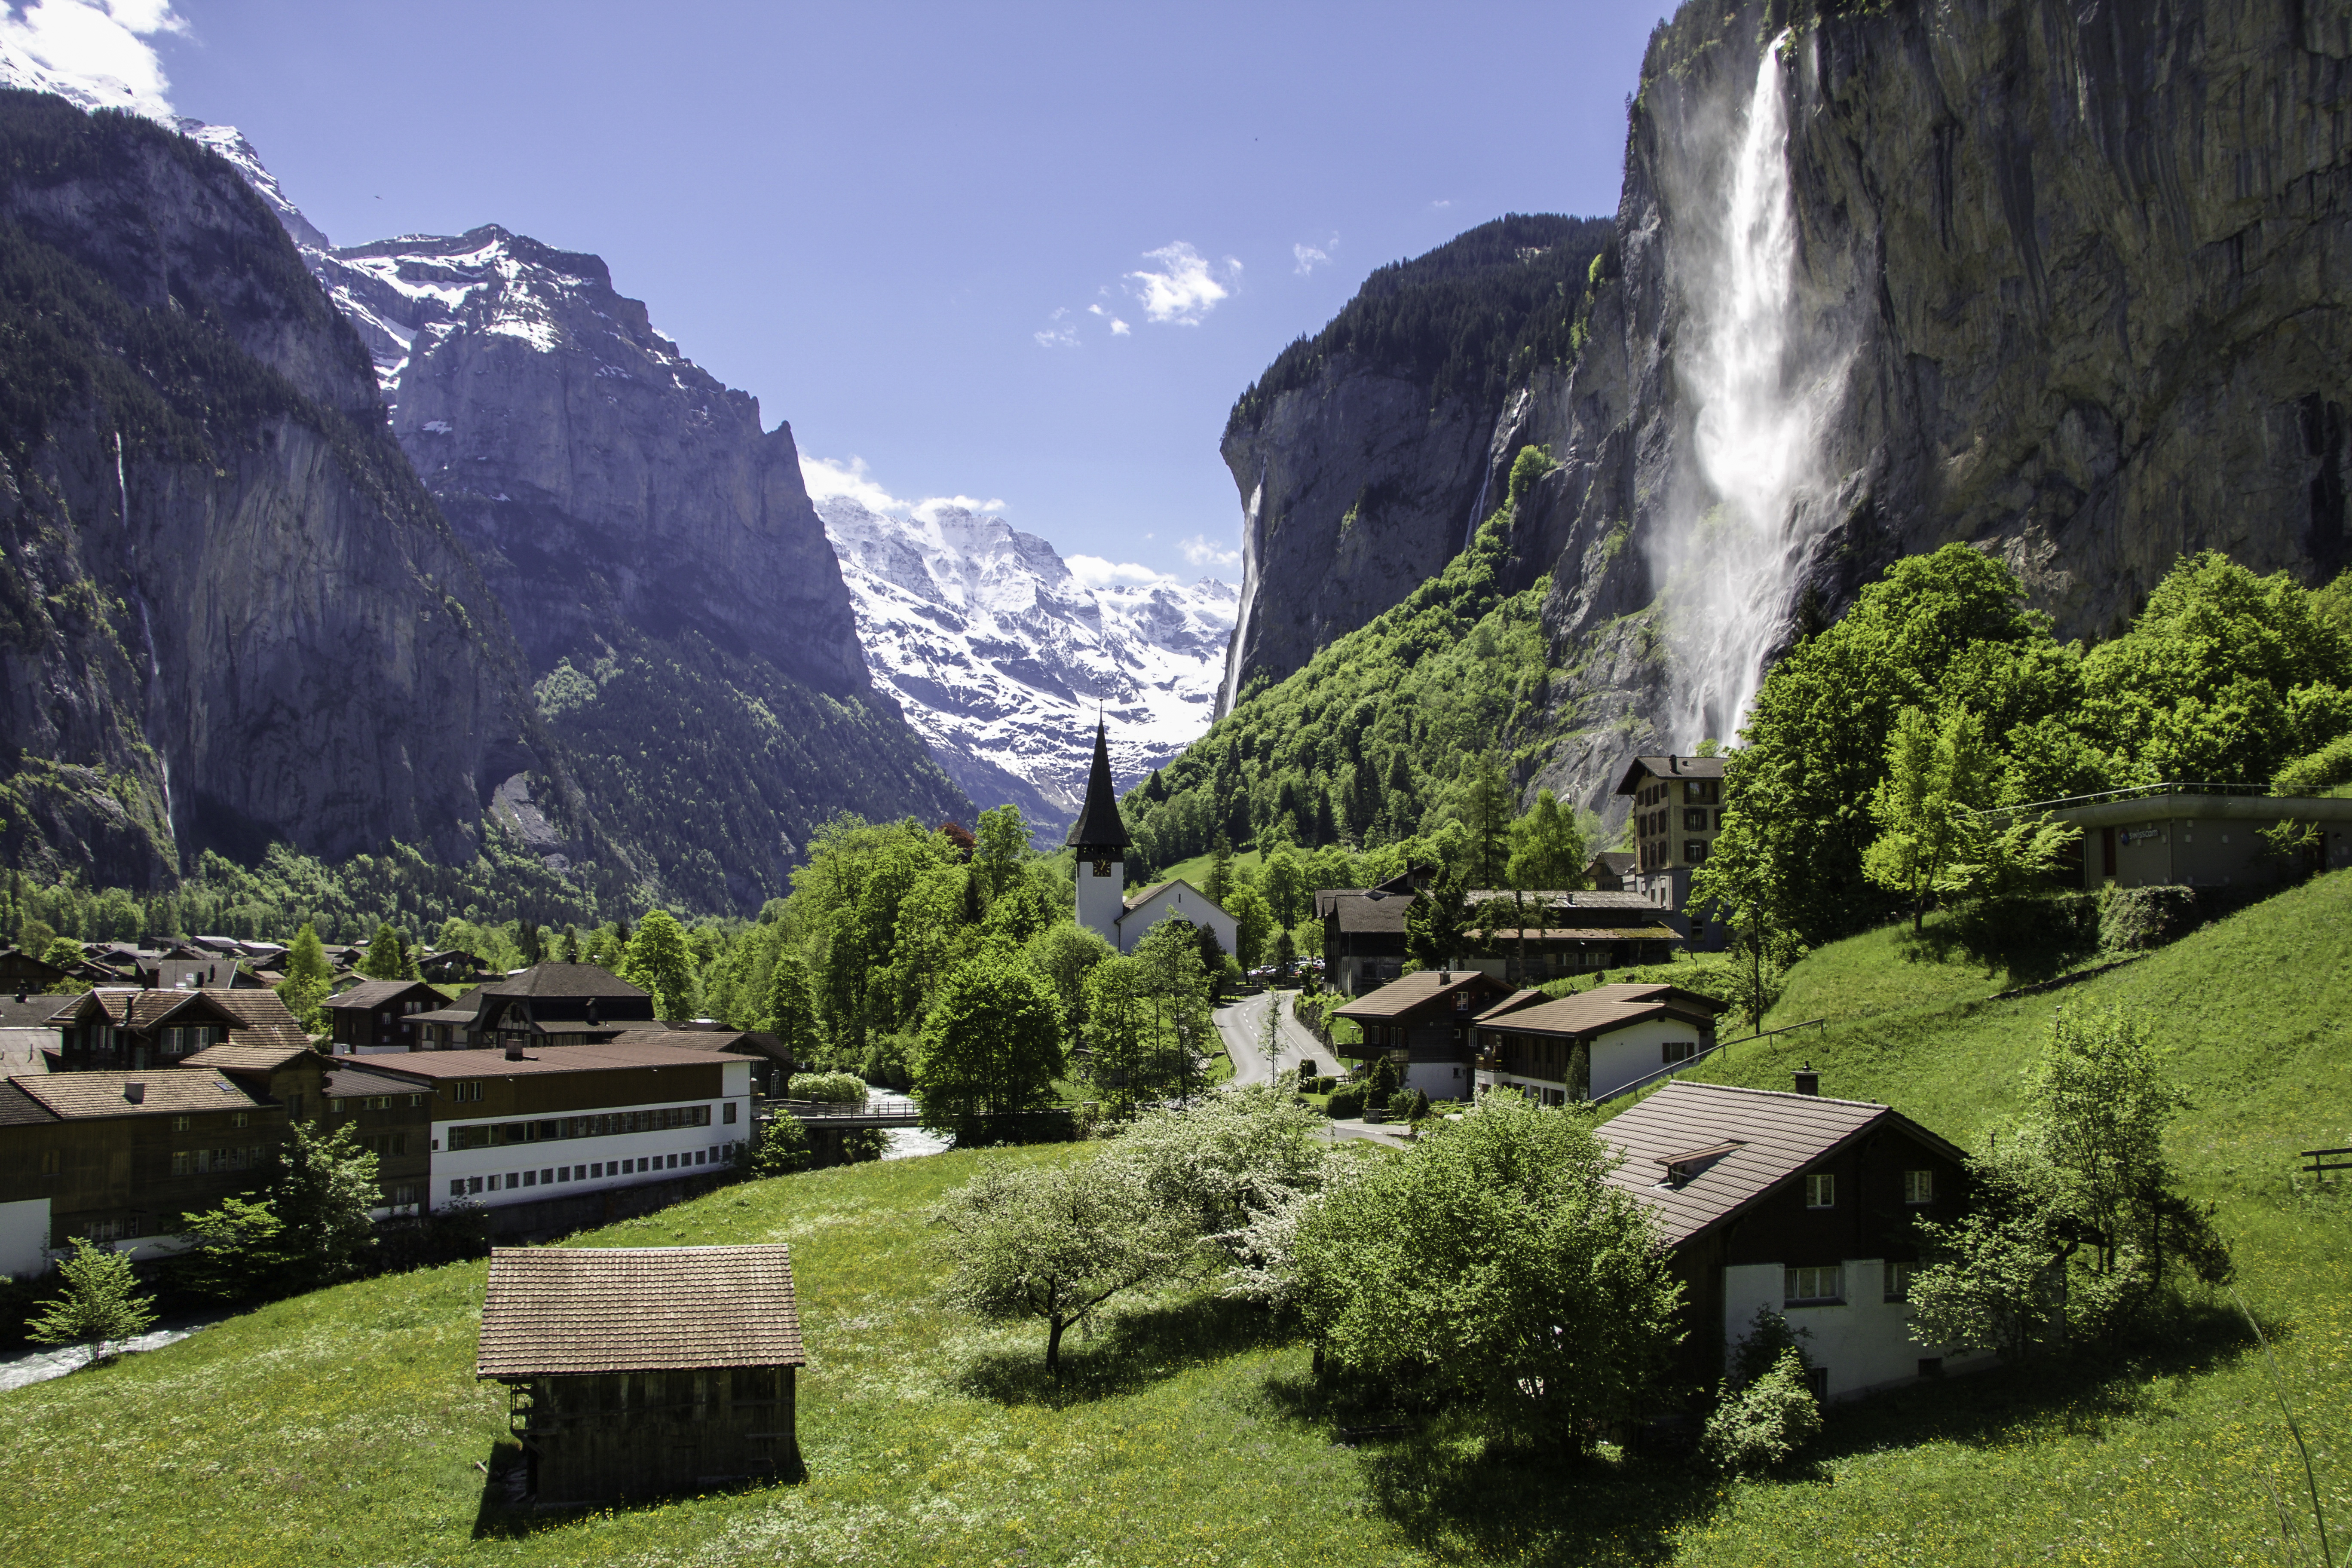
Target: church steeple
[{"x": 1099, "y": 833}]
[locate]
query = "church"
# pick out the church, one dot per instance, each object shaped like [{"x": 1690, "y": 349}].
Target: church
[{"x": 1105, "y": 907}]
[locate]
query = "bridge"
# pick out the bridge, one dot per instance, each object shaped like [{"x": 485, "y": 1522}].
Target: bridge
[{"x": 843, "y": 1118}]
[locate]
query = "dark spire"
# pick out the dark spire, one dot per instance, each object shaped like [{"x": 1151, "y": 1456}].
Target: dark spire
[{"x": 1099, "y": 827}]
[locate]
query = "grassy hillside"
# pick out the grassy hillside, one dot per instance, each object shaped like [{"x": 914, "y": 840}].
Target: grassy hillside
[{"x": 345, "y": 1426}]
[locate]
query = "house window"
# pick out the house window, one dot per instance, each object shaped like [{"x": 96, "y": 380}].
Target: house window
[
  {"x": 1695, "y": 821},
  {"x": 1810, "y": 1285},
  {"x": 1899, "y": 1280},
  {"x": 469, "y": 1090},
  {"x": 1694, "y": 850},
  {"x": 1918, "y": 1187},
  {"x": 1821, "y": 1192},
  {"x": 473, "y": 1183},
  {"x": 457, "y": 1187},
  {"x": 404, "y": 1194},
  {"x": 730, "y": 1113},
  {"x": 1678, "y": 1050},
  {"x": 49, "y": 1161},
  {"x": 183, "y": 1163},
  {"x": 179, "y": 1124},
  {"x": 239, "y": 1119}
]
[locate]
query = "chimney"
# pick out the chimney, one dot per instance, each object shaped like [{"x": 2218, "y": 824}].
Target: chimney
[
  {"x": 136, "y": 1093},
  {"x": 514, "y": 1048},
  {"x": 1445, "y": 977},
  {"x": 1808, "y": 1081}
]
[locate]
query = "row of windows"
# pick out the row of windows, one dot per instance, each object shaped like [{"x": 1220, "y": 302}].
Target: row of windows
[
  {"x": 347, "y": 1104},
  {"x": 120, "y": 1228},
  {"x": 1918, "y": 1187},
  {"x": 385, "y": 1146},
  {"x": 469, "y": 1186},
  {"x": 497, "y": 1134},
  {"x": 236, "y": 1118},
  {"x": 1814, "y": 1287},
  {"x": 211, "y": 1162}
]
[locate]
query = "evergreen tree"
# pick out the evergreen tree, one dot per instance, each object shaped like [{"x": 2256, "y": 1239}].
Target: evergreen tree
[
  {"x": 385, "y": 959},
  {"x": 308, "y": 979}
]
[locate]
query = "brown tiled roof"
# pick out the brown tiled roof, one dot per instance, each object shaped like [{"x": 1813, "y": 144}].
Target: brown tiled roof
[
  {"x": 493, "y": 1062},
  {"x": 1417, "y": 990},
  {"x": 1370, "y": 910},
  {"x": 19, "y": 1109},
  {"x": 346, "y": 1082},
  {"x": 737, "y": 1042},
  {"x": 563, "y": 980},
  {"x": 1606, "y": 1007},
  {"x": 1776, "y": 1136},
  {"x": 263, "y": 1019},
  {"x": 370, "y": 993},
  {"x": 1618, "y": 860},
  {"x": 78, "y": 1096},
  {"x": 238, "y": 1057},
  {"x": 550, "y": 1311}
]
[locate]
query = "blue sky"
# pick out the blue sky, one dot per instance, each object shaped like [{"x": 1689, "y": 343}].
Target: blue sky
[{"x": 1026, "y": 255}]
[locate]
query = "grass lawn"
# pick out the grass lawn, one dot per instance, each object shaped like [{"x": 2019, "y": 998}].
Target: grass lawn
[
  {"x": 345, "y": 1426},
  {"x": 1196, "y": 869}
]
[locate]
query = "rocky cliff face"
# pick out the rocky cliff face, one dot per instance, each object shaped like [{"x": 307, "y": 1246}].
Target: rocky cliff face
[
  {"x": 1363, "y": 456},
  {"x": 2065, "y": 283},
  {"x": 228, "y": 613},
  {"x": 656, "y": 551},
  {"x": 999, "y": 657}
]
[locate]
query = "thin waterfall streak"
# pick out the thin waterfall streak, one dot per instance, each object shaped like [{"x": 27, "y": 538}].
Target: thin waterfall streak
[
  {"x": 121, "y": 481},
  {"x": 1249, "y": 597},
  {"x": 1478, "y": 507}
]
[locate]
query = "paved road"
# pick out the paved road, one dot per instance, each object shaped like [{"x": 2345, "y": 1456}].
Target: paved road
[{"x": 1243, "y": 1026}]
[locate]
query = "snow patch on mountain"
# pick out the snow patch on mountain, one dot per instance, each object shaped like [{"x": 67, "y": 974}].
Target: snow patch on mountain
[{"x": 1001, "y": 656}]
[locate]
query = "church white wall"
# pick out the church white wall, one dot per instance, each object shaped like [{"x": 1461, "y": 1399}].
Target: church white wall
[
  {"x": 1176, "y": 899},
  {"x": 1101, "y": 899}
]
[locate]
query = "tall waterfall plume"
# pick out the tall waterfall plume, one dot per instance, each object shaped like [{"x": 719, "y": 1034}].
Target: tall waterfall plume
[
  {"x": 1765, "y": 380},
  {"x": 1234, "y": 650}
]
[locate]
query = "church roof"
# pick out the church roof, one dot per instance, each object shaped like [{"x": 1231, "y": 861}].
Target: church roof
[{"x": 1099, "y": 825}]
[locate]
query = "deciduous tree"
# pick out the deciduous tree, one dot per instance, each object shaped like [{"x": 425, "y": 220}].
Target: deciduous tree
[
  {"x": 992, "y": 1046},
  {"x": 101, "y": 1303}
]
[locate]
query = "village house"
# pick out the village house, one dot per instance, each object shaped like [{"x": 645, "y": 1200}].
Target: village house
[
  {"x": 391, "y": 1118},
  {"x": 1364, "y": 930},
  {"x": 642, "y": 1372},
  {"x": 380, "y": 1015},
  {"x": 1677, "y": 811},
  {"x": 27, "y": 1038},
  {"x": 1422, "y": 1023},
  {"x": 1608, "y": 869},
  {"x": 119, "y": 1157},
  {"x": 516, "y": 1127},
  {"x": 117, "y": 1027},
  {"x": 1798, "y": 1205},
  {"x": 549, "y": 1004},
  {"x": 1595, "y": 1044},
  {"x": 29, "y": 973}
]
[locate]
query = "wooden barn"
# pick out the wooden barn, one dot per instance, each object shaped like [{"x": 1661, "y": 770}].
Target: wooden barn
[{"x": 641, "y": 1371}]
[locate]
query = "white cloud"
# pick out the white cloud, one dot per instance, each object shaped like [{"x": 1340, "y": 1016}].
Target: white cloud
[
  {"x": 1119, "y": 328},
  {"x": 1187, "y": 291},
  {"x": 1096, "y": 573},
  {"x": 1200, "y": 552},
  {"x": 92, "y": 51},
  {"x": 1059, "y": 331},
  {"x": 826, "y": 479},
  {"x": 1310, "y": 257},
  {"x": 1441, "y": 206}
]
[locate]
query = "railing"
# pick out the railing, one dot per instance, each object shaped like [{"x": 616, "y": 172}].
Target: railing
[
  {"x": 2136, "y": 792},
  {"x": 1670, "y": 1069}
]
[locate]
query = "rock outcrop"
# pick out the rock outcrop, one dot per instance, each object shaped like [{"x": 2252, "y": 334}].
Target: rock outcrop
[
  {"x": 1001, "y": 658},
  {"x": 229, "y": 615}
]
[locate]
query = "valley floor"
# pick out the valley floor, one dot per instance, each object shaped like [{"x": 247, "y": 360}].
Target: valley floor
[{"x": 345, "y": 1426}]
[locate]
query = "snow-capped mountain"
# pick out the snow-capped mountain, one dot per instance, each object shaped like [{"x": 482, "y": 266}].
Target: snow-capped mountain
[{"x": 1000, "y": 655}]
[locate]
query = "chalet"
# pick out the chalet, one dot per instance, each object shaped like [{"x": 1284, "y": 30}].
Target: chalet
[
  {"x": 2190, "y": 836},
  {"x": 1678, "y": 812},
  {"x": 29, "y": 972},
  {"x": 1797, "y": 1204},
  {"x": 380, "y": 1015},
  {"x": 207, "y": 971},
  {"x": 515, "y": 1126},
  {"x": 454, "y": 966},
  {"x": 549, "y": 1004},
  {"x": 118, "y": 1157},
  {"x": 391, "y": 1118},
  {"x": 771, "y": 1064},
  {"x": 1609, "y": 868},
  {"x": 116, "y": 1027},
  {"x": 642, "y": 1371},
  {"x": 1364, "y": 934},
  {"x": 1422, "y": 1023},
  {"x": 1595, "y": 1044}
]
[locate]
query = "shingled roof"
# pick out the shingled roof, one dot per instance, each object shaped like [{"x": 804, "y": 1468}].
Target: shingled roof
[
  {"x": 1419, "y": 989},
  {"x": 240, "y": 1057},
  {"x": 1364, "y": 910},
  {"x": 1099, "y": 825},
  {"x": 178, "y": 1092},
  {"x": 1668, "y": 767},
  {"x": 554, "y": 979},
  {"x": 1734, "y": 1145},
  {"x": 1605, "y": 1007},
  {"x": 263, "y": 1019},
  {"x": 373, "y": 994},
  {"x": 557, "y": 1311}
]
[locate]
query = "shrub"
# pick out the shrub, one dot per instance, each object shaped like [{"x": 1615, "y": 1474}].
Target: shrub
[
  {"x": 1382, "y": 1081},
  {"x": 1411, "y": 1105},
  {"x": 1326, "y": 1084},
  {"x": 1345, "y": 1103},
  {"x": 2327, "y": 768},
  {"x": 831, "y": 1087},
  {"x": 781, "y": 1149},
  {"x": 1766, "y": 1422}
]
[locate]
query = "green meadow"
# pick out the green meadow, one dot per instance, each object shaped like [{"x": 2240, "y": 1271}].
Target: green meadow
[{"x": 345, "y": 1426}]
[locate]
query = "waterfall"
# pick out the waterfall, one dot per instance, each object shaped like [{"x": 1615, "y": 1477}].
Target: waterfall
[
  {"x": 121, "y": 482},
  {"x": 1765, "y": 383},
  {"x": 154, "y": 689},
  {"x": 1249, "y": 600}
]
